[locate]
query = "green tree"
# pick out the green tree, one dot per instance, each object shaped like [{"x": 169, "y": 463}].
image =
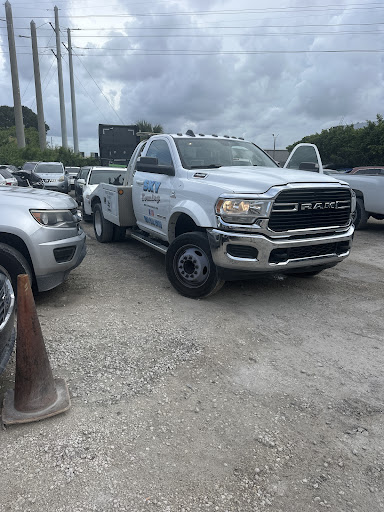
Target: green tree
[
  {"x": 145, "y": 126},
  {"x": 7, "y": 118},
  {"x": 345, "y": 146}
]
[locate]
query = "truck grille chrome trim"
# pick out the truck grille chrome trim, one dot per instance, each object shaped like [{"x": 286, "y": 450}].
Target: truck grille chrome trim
[{"x": 316, "y": 208}]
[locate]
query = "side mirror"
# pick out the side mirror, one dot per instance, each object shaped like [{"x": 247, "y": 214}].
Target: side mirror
[
  {"x": 151, "y": 165},
  {"x": 308, "y": 166},
  {"x": 81, "y": 181}
]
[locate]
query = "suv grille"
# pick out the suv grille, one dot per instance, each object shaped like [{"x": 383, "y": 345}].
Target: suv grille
[{"x": 310, "y": 208}]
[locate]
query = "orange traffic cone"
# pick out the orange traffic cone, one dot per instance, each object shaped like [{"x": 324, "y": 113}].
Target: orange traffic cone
[{"x": 37, "y": 394}]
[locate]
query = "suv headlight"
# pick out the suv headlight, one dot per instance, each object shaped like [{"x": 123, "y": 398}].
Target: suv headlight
[
  {"x": 55, "y": 218},
  {"x": 242, "y": 211}
]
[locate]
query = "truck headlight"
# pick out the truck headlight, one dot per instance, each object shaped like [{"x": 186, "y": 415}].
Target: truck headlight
[
  {"x": 242, "y": 211},
  {"x": 55, "y": 218}
]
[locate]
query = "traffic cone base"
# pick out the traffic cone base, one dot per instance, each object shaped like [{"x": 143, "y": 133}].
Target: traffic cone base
[{"x": 10, "y": 415}]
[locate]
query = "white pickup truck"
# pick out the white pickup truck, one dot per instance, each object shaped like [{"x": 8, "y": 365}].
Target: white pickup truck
[
  {"x": 369, "y": 192},
  {"x": 220, "y": 208}
]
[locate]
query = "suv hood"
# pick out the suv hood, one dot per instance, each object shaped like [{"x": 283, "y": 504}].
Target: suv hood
[
  {"x": 255, "y": 180},
  {"x": 35, "y": 198}
]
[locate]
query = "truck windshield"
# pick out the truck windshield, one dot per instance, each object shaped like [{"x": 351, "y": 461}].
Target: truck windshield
[
  {"x": 115, "y": 177},
  {"x": 214, "y": 153}
]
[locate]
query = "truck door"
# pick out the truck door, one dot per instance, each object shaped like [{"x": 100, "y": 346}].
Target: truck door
[
  {"x": 305, "y": 157},
  {"x": 152, "y": 191}
]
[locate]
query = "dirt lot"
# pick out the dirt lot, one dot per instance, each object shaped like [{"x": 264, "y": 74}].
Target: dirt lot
[{"x": 266, "y": 396}]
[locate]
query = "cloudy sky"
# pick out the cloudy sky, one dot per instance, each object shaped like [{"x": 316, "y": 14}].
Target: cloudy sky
[{"x": 238, "y": 67}]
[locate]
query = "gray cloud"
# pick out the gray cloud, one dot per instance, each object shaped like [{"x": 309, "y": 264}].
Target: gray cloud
[{"x": 245, "y": 94}]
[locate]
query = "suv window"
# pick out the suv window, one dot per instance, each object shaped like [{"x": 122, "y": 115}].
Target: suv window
[
  {"x": 160, "y": 150},
  {"x": 5, "y": 173}
]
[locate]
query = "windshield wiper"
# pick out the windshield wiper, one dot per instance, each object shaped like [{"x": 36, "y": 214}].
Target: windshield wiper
[{"x": 210, "y": 166}]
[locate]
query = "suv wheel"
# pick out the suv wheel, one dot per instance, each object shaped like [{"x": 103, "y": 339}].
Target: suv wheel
[{"x": 13, "y": 263}]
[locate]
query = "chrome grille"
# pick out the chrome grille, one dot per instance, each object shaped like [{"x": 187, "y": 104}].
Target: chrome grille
[{"x": 310, "y": 208}]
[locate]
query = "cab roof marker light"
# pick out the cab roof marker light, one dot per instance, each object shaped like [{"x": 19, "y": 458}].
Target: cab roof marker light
[
  {"x": 190, "y": 133},
  {"x": 232, "y": 137},
  {"x": 241, "y": 138},
  {"x": 201, "y": 134},
  {"x": 214, "y": 135},
  {"x": 226, "y": 136},
  {"x": 179, "y": 134}
]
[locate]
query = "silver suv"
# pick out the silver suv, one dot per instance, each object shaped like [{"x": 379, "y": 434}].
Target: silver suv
[
  {"x": 54, "y": 176},
  {"x": 40, "y": 235}
]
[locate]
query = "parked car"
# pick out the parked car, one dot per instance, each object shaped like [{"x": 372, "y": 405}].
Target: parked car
[
  {"x": 28, "y": 179},
  {"x": 53, "y": 175},
  {"x": 372, "y": 170},
  {"x": 72, "y": 173},
  {"x": 40, "y": 235},
  {"x": 82, "y": 176},
  {"x": 7, "y": 319},
  {"x": 96, "y": 175},
  {"x": 6, "y": 177},
  {"x": 29, "y": 166}
]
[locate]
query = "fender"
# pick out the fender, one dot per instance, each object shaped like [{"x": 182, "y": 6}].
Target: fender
[{"x": 197, "y": 213}]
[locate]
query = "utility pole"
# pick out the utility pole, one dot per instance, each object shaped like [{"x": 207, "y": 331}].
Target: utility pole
[
  {"x": 18, "y": 111},
  {"x": 274, "y": 143},
  {"x": 64, "y": 137},
  {"x": 39, "y": 96},
  {"x": 73, "y": 98}
]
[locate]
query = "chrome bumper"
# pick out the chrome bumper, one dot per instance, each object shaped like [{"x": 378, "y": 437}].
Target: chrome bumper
[{"x": 219, "y": 241}]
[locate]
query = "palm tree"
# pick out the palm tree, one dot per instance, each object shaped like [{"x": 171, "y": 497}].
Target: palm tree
[{"x": 145, "y": 126}]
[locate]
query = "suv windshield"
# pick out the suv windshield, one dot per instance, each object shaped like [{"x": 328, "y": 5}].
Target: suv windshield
[
  {"x": 110, "y": 177},
  {"x": 49, "y": 168},
  {"x": 214, "y": 153}
]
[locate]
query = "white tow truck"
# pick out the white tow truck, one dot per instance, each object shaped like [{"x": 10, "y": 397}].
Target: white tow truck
[{"x": 220, "y": 208}]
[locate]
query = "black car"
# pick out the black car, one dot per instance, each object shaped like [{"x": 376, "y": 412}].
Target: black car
[
  {"x": 82, "y": 174},
  {"x": 7, "y": 320},
  {"x": 28, "y": 179},
  {"x": 29, "y": 166}
]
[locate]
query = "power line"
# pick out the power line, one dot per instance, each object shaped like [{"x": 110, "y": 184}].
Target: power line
[
  {"x": 81, "y": 62},
  {"x": 231, "y": 12}
]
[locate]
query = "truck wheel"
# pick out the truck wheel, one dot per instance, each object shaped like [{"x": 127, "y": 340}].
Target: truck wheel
[
  {"x": 360, "y": 217},
  {"x": 85, "y": 216},
  {"x": 13, "y": 263},
  {"x": 103, "y": 228},
  {"x": 190, "y": 267}
]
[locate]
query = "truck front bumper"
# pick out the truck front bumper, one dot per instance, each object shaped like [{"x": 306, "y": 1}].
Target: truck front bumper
[{"x": 258, "y": 253}]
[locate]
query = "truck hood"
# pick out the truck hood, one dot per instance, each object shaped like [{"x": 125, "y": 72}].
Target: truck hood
[
  {"x": 255, "y": 180},
  {"x": 36, "y": 198}
]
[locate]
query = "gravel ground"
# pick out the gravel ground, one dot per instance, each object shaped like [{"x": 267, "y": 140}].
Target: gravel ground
[{"x": 266, "y": 396}]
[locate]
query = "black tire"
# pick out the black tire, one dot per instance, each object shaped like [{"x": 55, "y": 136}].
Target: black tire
[
  {"x": 190, "y": 267},
  {"x": 118, "y": 233},
  {"x": 102, "y": 227},
  {"x": 85, "y": 216},
  {"x": 361, "y": 217},
  {"x": 13, "y": 263}
]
